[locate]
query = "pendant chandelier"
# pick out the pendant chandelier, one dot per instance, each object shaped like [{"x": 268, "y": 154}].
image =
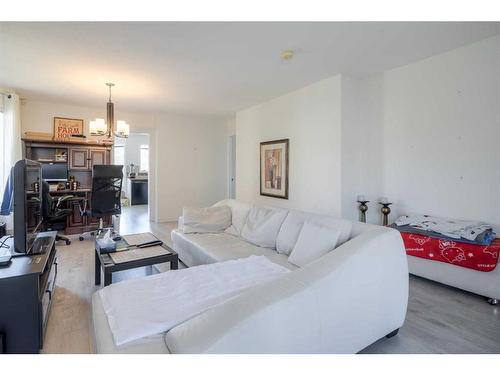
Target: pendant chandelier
[{"x": 100, "y": 127}]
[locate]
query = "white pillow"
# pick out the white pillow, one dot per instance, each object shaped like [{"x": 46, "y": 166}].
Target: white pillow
[
  {"x": 206, "y": 220},
  {"x": 262, "y": 226},
  {"x": 239, "y": 213},
  {"x": 314, "y": 241},
  {"x": 290, "y": 230}
]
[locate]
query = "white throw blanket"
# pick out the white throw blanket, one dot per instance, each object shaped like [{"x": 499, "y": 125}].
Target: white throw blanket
[{"x": 142, "y": 307}]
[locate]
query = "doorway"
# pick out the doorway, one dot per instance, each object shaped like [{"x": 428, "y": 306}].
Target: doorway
[
  {"x": 133, "y": 154},
  {"x": 232, "y": 167}
]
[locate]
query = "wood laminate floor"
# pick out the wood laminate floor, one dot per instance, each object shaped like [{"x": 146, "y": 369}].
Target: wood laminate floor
[
  {"x": 69, "y": 329},
  {"x": 440, "y": 319}
]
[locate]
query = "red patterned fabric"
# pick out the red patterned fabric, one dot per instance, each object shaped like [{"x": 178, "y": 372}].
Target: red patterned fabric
[{"x": 477, "y": 257}]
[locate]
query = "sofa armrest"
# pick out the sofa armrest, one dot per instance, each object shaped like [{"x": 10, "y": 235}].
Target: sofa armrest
[{"x": 341, "y": 303}]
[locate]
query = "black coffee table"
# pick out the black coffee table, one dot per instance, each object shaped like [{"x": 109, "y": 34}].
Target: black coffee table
[{"x": 108, "y": 266}]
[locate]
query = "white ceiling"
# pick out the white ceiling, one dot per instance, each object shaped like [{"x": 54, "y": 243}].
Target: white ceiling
[{"x": 208, "y": 68}]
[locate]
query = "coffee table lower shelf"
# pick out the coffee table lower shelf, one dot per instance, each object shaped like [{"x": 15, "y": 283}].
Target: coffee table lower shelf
[{"x": 105, "y": 263}]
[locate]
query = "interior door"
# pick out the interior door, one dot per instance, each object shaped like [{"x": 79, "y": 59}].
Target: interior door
[{"x": 232, "y": 167}]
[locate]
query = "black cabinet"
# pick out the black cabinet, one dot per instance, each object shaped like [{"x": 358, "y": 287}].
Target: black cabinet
[
  {"x": 26, "y": 289},
  {"x": 139, "y": 191}
]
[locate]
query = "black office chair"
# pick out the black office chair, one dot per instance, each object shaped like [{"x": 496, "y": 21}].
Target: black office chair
[
  {"x": 105, "y": 195},
  {"x": 53, "y": 212}
]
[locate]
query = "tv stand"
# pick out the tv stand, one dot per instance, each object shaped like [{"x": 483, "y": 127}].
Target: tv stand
[{"x": 26, "y": 291}]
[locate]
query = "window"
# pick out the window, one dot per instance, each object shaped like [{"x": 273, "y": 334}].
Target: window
[
  {"x": 144, "y": 158},
  {"x": 3, "y": 151},
  {"x": 10, "y": 139}
]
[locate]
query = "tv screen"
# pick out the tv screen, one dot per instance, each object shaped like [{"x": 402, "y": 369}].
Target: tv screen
[
  {"x": 27, "y": 204},
  {"x": 55, "y": 172}
]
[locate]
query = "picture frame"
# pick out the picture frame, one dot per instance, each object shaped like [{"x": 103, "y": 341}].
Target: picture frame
[
  {"x": 64, "y": 127},
  {"x": 274, "y": 168}
]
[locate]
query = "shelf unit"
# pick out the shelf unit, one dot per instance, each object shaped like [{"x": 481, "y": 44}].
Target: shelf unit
[{"x": 80, "y": 158}]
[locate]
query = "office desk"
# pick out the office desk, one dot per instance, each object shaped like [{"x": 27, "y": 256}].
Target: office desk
[{"x": 75, "y": 222}]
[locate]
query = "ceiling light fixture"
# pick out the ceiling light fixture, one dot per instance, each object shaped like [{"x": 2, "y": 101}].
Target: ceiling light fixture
[
  {"x": 287, "y": 54},
  {"x": 100, "y": 128}
]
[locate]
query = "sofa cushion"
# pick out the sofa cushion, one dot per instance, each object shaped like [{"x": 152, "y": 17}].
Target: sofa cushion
[
  {"x": 262, "y": 226},
  {"x": 289, "y": 232},
  {"x": 197, "y": 249},
  {"x": 239, "y": 213},
  {"x": 314, "y": 241},
  {"x": 206, "y": 220}
]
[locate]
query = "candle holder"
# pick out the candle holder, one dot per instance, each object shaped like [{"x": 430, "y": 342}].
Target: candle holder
[
  {"x": 386, "y": 210},
  {"x": 362, "y": 210}
]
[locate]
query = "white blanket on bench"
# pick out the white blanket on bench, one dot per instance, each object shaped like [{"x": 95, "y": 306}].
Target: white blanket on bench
[{"x": 142, "y": 307}]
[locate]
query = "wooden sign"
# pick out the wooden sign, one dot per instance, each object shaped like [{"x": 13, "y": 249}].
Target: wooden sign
[{"x": 64, "y": 128}]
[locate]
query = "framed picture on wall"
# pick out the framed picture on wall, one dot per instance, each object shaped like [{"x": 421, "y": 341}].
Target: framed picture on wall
[
  {"x": 274, "y": 168},
  {"x": 64, "y": 128}
]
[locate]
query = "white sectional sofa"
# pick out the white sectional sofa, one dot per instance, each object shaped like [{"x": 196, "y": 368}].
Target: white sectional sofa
[{"x": 339, "y": 303}]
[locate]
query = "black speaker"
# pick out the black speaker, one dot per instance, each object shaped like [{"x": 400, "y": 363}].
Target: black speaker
[
  {"x": 2, "y": 343},
  {"x": 3, "y": 230}
]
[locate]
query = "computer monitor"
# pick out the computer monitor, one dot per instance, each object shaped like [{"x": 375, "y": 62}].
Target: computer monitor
[
  {"x": 55, "y": 172},
  {"x": 27, "y": 204}
]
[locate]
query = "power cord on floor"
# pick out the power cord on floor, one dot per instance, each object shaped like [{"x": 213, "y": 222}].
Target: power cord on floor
[{"x": 2, "y": 245}]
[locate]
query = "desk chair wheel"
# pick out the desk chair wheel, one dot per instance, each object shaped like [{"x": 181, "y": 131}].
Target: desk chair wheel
[
  {"x": 81, "y": 238},
  {"x": 63, "y": 238}
]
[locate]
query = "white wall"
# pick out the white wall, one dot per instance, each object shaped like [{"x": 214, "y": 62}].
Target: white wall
[
  {"x": 187, "y": 153},
  {"x": 441, "y": 134},
  {"x": 362, "y": 145},
  {"x": 191, "y": 163},
  {"x": 231, "y": 126},
  {"x": 425, "y": 135},
  {"x": 310, "y": 118}
]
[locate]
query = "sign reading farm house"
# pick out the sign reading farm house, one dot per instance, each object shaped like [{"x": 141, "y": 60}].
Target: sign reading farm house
[{"x": 64, "y": 128}]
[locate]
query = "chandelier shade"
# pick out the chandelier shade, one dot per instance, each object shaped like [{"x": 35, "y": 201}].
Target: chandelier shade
[
  {"x": 122, "y": 129},
  {"x": 98, "y": 127}
]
